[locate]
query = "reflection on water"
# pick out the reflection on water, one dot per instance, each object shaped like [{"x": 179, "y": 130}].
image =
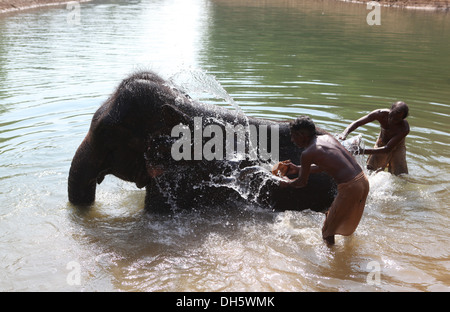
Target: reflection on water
[{"x": 276, "y": 59}]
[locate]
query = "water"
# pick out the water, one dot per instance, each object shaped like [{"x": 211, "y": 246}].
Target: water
[{"x": 276, "y": 60}]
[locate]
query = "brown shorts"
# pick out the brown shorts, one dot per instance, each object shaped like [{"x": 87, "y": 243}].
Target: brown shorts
[
  {"x": 347, "y": 208},
  {"x": 395, "y": 160}
]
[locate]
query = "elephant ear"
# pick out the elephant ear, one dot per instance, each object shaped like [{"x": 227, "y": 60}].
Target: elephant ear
[{"x": 173, "y": 116}]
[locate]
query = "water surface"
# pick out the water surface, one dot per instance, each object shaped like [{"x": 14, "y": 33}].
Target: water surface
[{"x": 277, "y": 59}]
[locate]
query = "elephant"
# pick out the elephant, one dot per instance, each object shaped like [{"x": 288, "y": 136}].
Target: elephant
[{"x": 143, "y": 134}]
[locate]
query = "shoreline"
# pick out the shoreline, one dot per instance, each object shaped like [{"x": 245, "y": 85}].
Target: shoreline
[
  {"x": 9, "y": 6},
  {"x": 425, "y": 5}
]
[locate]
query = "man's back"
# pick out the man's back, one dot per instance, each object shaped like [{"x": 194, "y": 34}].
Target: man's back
[{"x": 333, "y": 158}]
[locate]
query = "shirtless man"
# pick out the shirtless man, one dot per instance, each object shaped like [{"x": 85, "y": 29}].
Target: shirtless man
[
  {"x": 390, "y": 149},
  {"x": 325, "y": 153}
]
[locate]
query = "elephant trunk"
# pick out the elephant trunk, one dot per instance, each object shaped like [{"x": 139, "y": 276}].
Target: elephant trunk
[{"x": 83, "y": 175}]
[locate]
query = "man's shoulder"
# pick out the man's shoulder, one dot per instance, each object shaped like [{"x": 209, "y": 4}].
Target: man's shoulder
[
  {"x": 312, "y": 149},
  {"x": 380, "y": 115},
  {"x": 380, "y": 112},
  {"x": 324, "y": 143}
]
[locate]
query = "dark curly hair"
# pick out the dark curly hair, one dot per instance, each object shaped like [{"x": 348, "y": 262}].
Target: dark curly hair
[{"x": 303, "y": 124}]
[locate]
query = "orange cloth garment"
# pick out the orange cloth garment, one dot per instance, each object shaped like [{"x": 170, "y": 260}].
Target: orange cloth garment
[
  {"x": 347, "y": 208},
  {"x": 394, "y": 160}
]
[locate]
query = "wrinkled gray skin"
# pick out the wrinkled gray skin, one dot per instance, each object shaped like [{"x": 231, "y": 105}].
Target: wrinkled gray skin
[{"x": 130, "y": 138}]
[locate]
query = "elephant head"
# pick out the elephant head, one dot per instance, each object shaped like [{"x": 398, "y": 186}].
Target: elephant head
[{"x": 119, "y": 134}]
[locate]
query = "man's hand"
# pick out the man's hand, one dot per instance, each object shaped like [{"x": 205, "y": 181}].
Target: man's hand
[
  {"x": 285, "y": 168},
  {"x": 285, "y": 182},
  {"x": 342, "y": 136},
  {"x": 293, "y": 169},
  {"x": 358, "y": 151}
]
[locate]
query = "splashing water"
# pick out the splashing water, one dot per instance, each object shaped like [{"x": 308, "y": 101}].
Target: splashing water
[
  {"x": 355, "y": 145},
  {"x": 199, "y": 85}
]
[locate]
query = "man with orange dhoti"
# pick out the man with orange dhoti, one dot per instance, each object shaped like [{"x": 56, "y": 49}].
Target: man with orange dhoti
[{"x": 322, "y": 152}]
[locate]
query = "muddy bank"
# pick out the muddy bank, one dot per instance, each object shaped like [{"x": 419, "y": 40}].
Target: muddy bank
[
  {"x": 431, "y": 5},
  {"x": 17, "y": 5}
]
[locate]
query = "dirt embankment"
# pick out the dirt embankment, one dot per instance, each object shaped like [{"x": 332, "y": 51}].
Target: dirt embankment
[
  {"x": 16, "y": 5},
  {"x": 431, "y": 5},
  {"x": 438, "y": 5}
]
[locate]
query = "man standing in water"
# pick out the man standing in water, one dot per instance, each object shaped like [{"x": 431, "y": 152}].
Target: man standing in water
[
  {"x": 390, "y": 149},
  {"x": 322, "y": 152}
]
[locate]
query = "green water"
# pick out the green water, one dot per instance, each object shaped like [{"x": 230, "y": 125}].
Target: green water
[{"x": 276, "y": 59}]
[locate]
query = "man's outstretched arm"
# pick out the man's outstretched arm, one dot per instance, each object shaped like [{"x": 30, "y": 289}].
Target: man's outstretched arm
[{"x": 360, "y": 122}]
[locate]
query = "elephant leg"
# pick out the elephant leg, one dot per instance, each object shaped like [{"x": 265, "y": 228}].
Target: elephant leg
[{"x": 155, "y": 201}]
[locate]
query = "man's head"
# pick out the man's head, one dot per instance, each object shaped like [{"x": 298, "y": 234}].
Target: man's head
[
  {"x": 399, "y": 111},
  {"x": 302, "y": 131}
]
